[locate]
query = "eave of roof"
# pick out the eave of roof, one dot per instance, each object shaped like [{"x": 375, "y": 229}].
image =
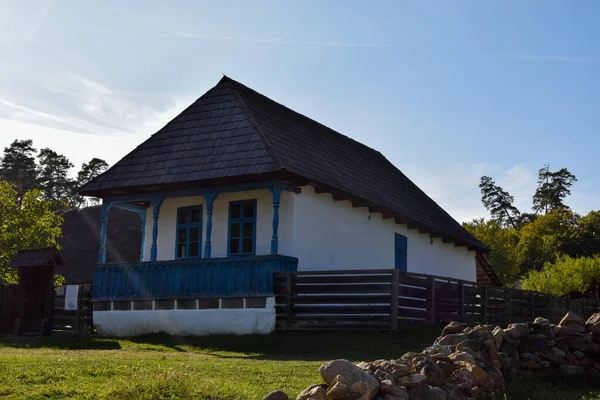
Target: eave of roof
[{"x": 285, "y": 143}]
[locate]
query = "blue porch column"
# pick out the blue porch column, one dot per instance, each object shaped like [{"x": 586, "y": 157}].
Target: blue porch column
[
  {"x": 209, "y": 198},
  {"x": 155, "y": 212},
  {"x": 103, "y": 229},
  {"x": 276, "y": 192},
  {"x": 143, "y": 246}
]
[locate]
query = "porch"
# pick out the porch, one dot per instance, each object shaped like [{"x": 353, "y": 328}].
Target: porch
[
  {"x": 246, "y": 276},
  {"x": 215, "y": 242}
]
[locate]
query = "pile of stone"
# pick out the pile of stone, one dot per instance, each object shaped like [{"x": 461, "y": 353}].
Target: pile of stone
[{"x": 466, "y": 362}]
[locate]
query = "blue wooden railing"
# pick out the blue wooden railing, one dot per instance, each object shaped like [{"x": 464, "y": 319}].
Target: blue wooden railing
[{"x": 213, "y": 277}]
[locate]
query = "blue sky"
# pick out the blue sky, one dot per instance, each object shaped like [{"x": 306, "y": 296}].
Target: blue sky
[{"x": 448, "y": 91}]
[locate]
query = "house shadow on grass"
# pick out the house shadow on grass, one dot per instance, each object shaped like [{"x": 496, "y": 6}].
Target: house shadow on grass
[
  {"x": 307, "y": 346},
  {"x": 61, "y": 343}
]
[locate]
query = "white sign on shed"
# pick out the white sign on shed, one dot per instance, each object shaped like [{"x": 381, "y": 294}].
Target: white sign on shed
[{"x": 71, "y": 296}]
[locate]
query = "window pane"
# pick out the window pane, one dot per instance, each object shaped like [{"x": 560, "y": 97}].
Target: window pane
[
  {"x": 234, "y": 246},
  {"x": 236, "y": 210},
  {"x": 182, "y": 217},
  {"x": 195, "y": 215},
  {"x": 182, "y": 235},
  {"x": 247, "y": 246},
  {"x": 235, "y": 230},
  {"x": 248, "y": 229},
  {"x": 248, "y": 209},
  {"x": 194, "y": 249},
  {"x": 194, "y": 234},
  {"x": 181, "y": 250}
]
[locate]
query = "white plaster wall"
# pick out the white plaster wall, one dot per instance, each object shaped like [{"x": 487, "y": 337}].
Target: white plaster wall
[
  {"x": 333, "y": 235},
  {"x": 167, "y": 223},
  {"x": 187, "y": 322}
]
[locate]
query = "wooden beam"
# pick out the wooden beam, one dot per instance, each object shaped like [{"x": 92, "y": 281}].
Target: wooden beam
[
  {"x": 400, "y": 220},
  {"x": 435, "y": 235},
  {"x": 338, "y": 196},
  {"x": 387, "y": 215},
  {"x": 359, "y": 203},
  {"x": 320, "y": 189},
  {"x": 446, "y": 239},
  {"x": 411, "y": 226}
]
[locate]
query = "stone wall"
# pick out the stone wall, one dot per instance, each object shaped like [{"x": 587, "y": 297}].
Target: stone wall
[{"x": 467, "y": 362}]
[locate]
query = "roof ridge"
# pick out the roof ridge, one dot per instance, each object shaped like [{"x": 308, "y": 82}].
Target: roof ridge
[
  {"x": 234, "y": 82},
  {"x": 254, "y": 123}
]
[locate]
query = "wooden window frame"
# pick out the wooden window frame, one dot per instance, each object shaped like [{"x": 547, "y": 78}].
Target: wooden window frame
[
  {"x": 188, "y": 226},
  {"x": 241, "y": 220}
]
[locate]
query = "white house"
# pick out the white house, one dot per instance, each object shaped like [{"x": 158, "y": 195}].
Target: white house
[{"x": 238, "y": 187}]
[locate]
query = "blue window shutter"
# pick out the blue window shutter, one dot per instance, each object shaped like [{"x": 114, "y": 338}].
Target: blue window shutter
[{"x": 401, "y": 251}]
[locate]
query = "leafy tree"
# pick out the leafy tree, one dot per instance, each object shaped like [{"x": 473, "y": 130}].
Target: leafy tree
[
  {"x": 584, "y": 239},
  {"x": 498, "y": 202},
  {"x": 525, "y": 218},
  {"x": 503, "y": 243},
  {"x": 54, "y": 179},
  {"x": 553, "y": 188},
  {"x": 89, "y": 171},
  {"x": 567, "y": 275},
  {"x": 543, "y": 239},
  {"x": 17, "y": 166},
  {"x": 25, "y": 224}
]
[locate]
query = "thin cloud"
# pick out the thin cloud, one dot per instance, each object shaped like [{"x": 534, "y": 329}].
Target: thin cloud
[
  {"x": 188, "y": 35},
  {"x": 18, "y": 112},
  {"x": 79, "y": 104},
  {"x": 555, "y": 58}
]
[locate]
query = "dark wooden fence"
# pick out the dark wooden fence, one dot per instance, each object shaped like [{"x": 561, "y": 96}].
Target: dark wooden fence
[
  {"x": 384, "y": 299},
  {"x": 10, "y": 306},
  {"x": 73, "y": 322}
]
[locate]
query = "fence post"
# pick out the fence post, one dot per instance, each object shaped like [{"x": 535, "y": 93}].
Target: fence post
[
  {"x": 485, "y": 304},
  {"x": 78, "y": 329},
  {"x": 462, "y": 301},
  {"x": 532, "y": 299},
  {"x": 509, "y": 306},
  {"x": 288, "y": 290},
  {"x": 432, "y": 305},
  {"x": 394, "y": 294}
]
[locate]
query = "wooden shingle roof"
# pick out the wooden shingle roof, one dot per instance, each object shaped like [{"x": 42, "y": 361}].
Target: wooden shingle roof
[
  {"x": 233, "y": 131},
  {"x": 47, "y": 256}
]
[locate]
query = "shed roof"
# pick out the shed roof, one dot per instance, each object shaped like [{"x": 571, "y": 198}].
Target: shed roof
[
  {"x": 233, "y": 131},
  {"x": 48, "y": 256}
]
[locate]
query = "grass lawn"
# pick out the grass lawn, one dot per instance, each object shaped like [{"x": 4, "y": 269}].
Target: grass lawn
[{"x": 214, "y": 367}]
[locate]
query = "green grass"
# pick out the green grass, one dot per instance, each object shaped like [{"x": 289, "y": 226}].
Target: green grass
[{"x": 213, "y": 367}]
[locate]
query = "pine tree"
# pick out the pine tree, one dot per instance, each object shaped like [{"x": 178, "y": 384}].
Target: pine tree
[
  {"x": 88, "y": 171},
  {"x": 18, "y": 167},
  {"x": 553, "y": 188},
  {"x": 54, "y": 179},
  {"x": 499, "y": 203}
]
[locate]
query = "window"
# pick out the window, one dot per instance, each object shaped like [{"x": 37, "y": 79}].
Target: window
[
  {"x": 242, "y": 227},
  {"x": 189, "y": 232}
]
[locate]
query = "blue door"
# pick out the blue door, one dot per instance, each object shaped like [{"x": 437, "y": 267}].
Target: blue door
[{"x": 401, "y": 247}]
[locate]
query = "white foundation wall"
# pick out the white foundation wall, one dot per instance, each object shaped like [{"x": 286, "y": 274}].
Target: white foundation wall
[
  {"x": 187, "y": 322},
  {"x": 167, "y": 223},
  {"x": 332, "y": 235}
]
